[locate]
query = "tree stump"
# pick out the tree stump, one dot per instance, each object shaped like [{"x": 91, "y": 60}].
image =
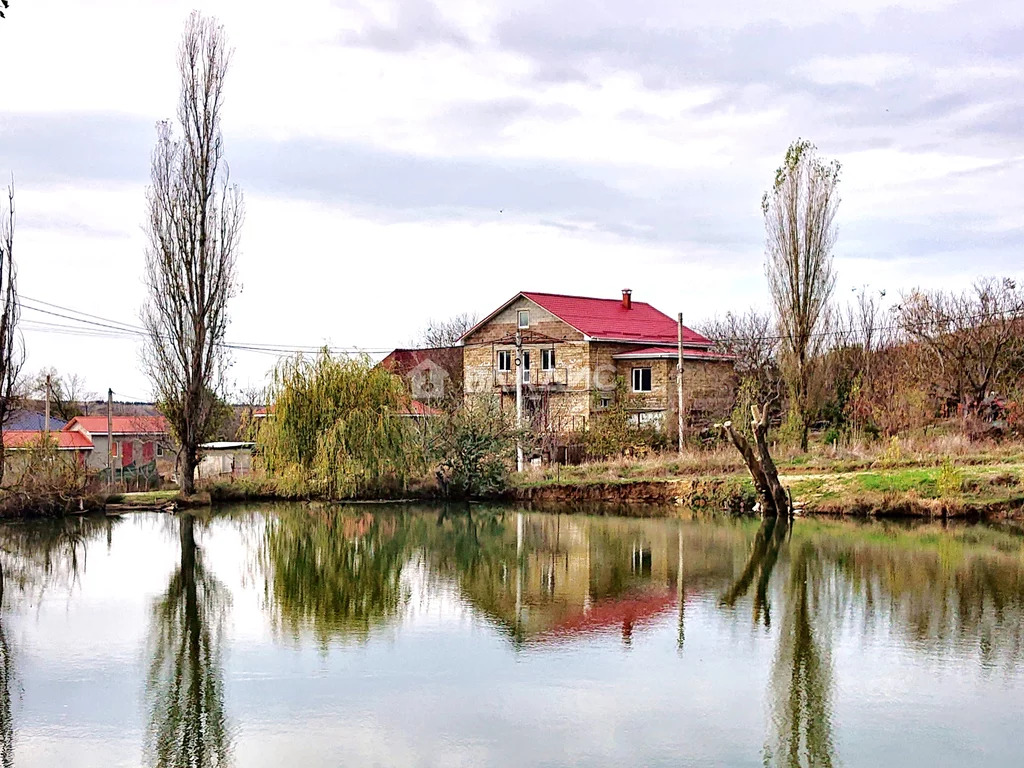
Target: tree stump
[{"x": 774, "y": 499}]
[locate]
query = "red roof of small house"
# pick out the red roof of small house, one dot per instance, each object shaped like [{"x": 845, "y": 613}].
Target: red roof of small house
[
  {"x": 609, "y": 320},
  {"x": 121, "y": 425},
  {"x": 648, "y": 353},
  {"x": 65, "y": 441}
]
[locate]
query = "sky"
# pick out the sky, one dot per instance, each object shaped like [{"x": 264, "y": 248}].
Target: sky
[{"x": 410, "y": 160}]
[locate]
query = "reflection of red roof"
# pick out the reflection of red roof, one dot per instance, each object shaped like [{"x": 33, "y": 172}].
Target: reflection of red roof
[
  {"x": 608, "y": 319},
  {"x": 672, "y": 353},
  {"x": 623, "y": 613},
  {"x": 65, "y": 441},
  {"x": 121, "y": 425}
]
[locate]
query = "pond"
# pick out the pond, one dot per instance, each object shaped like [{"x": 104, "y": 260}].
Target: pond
[{"x": 413, "y": 636}]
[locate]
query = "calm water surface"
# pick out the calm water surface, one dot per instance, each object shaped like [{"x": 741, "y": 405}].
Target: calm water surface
[{"x": 270, "y": 636}]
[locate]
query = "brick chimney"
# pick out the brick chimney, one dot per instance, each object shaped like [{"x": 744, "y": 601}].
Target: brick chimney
[{"x": 627, "y": 298}]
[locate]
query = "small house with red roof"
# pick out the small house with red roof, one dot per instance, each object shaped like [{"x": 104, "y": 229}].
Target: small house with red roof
[
  {"x": 574, "y": 351},
  {"x": 73, "y": 445},
  {"x": 135, "y": 441}
]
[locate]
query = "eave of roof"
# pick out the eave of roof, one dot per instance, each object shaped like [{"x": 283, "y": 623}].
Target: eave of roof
[{"x": 672, "y": 353}]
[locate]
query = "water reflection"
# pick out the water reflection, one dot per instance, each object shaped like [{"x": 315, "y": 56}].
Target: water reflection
[
  {"x": 800, "y": 695},
  {"x": 338, "y": 574},
  {"x": 620, "y": 633},
  {"x": 185, "y": 688},
  {"x": 33, "y": 558}
]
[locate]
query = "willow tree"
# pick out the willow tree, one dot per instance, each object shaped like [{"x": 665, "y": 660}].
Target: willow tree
[
  {"x": 194, "y": 224},
  {"x": 338, "y": 426},
  {"x": 11, "y": 352},
  {"x": 799, "y": 216}
]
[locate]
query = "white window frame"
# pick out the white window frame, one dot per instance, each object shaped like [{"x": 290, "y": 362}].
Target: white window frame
[
  {"x": 638, "y": 379},
  {"x": 547, "y": 359},
  {"x": 519, "y": 318},
  {"x": 526, "y": 366},
  {"x": 505, "y": 360}
]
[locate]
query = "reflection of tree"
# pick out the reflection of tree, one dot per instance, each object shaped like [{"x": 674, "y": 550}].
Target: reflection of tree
[
  {"x": 47, "y": 552},
  {"x": 336, "y": 572},
  {"x": 6, "y": 679},
  {"x": 35, "y": 556},
  {"x": 761, "y": 562},
  {"x": 187, "y": 725},
  {"x": 801, "y": 684}
]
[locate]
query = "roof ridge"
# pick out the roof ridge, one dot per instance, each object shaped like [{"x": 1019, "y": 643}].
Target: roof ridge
[{"x": 587, "y": 298}]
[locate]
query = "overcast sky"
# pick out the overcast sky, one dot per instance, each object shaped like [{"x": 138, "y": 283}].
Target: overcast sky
[{"x": 407, "y": 160}]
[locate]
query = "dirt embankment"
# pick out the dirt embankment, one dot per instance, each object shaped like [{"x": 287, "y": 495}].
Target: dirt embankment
[
  {"x": 698, "y": 493},
  {"x": 736, "y": 495}
]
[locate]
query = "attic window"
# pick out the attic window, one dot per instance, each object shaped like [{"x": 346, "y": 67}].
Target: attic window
[{"x": 524, "y": 318}]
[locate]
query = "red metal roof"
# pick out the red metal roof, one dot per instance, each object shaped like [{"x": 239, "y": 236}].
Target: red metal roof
[
  {"x": 66, "y": 441},
  {"x": 122, "y": 425},
  {"x": 672, "y": 352},
  {"x": 608, "y": 319}
]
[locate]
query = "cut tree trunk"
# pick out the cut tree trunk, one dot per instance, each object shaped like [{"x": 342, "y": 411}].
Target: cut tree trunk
[{"x": 774, "y": 499}]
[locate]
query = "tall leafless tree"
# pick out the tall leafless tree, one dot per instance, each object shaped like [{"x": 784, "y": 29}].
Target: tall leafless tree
[
  {"x": 194, "y": 226},
  {"x": 12, "y": 352},
  {"x": 799, "y": 215}
]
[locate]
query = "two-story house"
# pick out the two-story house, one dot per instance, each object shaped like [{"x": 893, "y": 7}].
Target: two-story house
[{"x": 575, "y": 349}]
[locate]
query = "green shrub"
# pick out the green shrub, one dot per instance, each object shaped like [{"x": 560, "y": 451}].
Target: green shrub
[{"x": 950, "y": 480}]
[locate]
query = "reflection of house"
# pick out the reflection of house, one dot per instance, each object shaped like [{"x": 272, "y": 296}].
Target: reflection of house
[
  {"x": 137, "y": 440},
  {"x": 224, "y": 459},
  {"x": 555, "y": 578},
  {"x": 575, "y": 349}
]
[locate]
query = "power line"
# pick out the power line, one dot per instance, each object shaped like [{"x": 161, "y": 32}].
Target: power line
[{"x": 117, "y": 329}]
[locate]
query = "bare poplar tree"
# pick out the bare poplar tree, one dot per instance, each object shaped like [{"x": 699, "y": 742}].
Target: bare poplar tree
[
  {"x": 194, "y": 225},
  {"x": 12, "y": 352},
  {"x": 799, "y": 213}
]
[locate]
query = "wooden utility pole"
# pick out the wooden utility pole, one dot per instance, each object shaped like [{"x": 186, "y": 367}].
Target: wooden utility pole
[
  {"x": 46, "y": 427},
  {"x": 679, "y": 385},
  {"x": 110, "y": 436},
  {"x": 519, "y": 401}
]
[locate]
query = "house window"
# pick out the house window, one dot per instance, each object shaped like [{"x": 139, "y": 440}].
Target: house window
[
  {"x": 113, "y": 448},
  {"x": 159, "y": 450},
  {"x": 524, "y": 318},
  {"x": 504, "y": 360},
  {"x": 641, "y": 379},
  {"x": 526, "y": 367},
  {"x": 547, "y": 359},
  {"x": 606, "y": 402}
]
